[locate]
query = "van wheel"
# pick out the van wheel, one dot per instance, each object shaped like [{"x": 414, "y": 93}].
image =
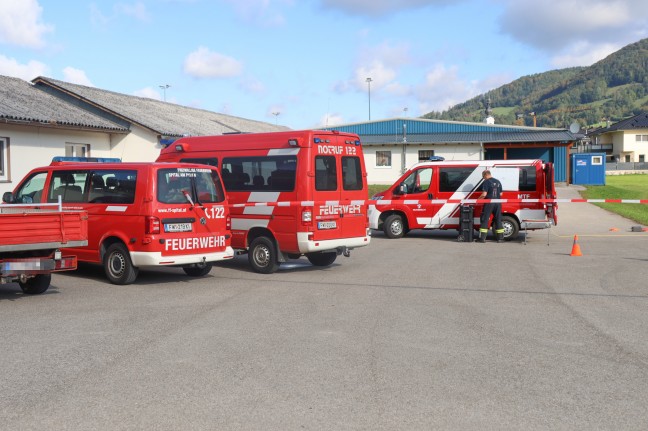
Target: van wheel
[
  {"x": 263, "y": 255},
  {"x": 198, "y": 270},
  {"x": 36, "y": 285},
  {"x": 511, "y": 228},
  {"x": 322, "y": 259},
  {"x": 394, "y": 226},
  {"x": 118, "y": 266}
]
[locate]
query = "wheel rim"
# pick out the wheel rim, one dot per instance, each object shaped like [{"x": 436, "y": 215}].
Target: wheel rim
[
  {"x": 396, "y": 227},
  {"x": 508, "y": 229},
  {"x": 116, "y": 264},
  {"x": 261, "y": 256}
]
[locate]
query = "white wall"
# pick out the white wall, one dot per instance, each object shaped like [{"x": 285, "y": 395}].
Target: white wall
[
  {"x": 31, "y": 147},
  {"x": 388, "y": 175},
  {"x": 140, "y": 145}
]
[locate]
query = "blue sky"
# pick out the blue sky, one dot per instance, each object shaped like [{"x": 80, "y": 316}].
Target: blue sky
[{"x": 304, "y": 63}]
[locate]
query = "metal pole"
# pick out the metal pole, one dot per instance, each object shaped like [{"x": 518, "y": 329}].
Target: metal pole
[{"x": 369, "y": 93}]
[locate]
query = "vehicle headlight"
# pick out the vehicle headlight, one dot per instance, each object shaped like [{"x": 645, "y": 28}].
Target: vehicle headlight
[{"x": 377, "y": 197}]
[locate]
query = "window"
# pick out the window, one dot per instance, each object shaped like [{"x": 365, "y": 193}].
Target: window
[
  {"x": 641, "y": 138},
  {"x": 261, "y": 173},
  {"x": 627, "y": 158},
  {"x": 4, "y": 159},
  {"x": 112, "y": 186},
  {"x": 642, "y": 158},
  {"x": 597, "y": 160},
  {"x": 351, "y": 173},
  {"x": 325, "y": 173},
  {"x": 383, "y": 159},
  {"x": 69, "y": 185},
  {"x": 77, "y": 150},
  {"x": 451, "y": 179},
  {"x": 174, "y": 185},
  {"x": 418, "y": 181},
  {"x": 527, "y": 179},
  {"x": 202, "y": 161},
  {"x": 32, "y": 189},
  {"x": 424, "y": 155}
]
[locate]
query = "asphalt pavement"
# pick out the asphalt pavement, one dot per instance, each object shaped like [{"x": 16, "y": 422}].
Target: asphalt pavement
[{"x": 413, "y": 334}]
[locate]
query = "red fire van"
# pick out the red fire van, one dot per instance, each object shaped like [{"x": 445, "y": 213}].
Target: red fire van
[
  {"x": 403, "y": 206},
  {"x": 290, "y": 193},
  {"x": 139, "y": 214}
]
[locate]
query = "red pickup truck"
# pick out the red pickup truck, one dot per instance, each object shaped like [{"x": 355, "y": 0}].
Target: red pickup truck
[{"x": 31, "y": 239}]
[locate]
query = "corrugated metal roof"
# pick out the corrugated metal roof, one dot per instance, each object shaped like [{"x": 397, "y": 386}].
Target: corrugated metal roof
[
  {"x": 471, "y": 137},
  {"x": 162, "y": 117},
  {"x": 397, "y": 126},
  {"x": 20, "y": 101}
]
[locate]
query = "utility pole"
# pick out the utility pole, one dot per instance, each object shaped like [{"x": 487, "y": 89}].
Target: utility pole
[
  {"x": 369, "y": 93},
  {"x": 164, "y": 89}
]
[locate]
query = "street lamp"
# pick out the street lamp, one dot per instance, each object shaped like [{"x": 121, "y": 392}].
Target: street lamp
[
  {"x": 369, "y": 93},
  {"x": 164, "y": 88},
  {"x": 276, "y": 114}
]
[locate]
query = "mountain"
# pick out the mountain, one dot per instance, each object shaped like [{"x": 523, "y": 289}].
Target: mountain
[{"x": 612, "y": 89}]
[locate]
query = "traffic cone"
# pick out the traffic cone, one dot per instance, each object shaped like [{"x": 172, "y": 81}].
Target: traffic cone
[{"x": 576, "y": 251}]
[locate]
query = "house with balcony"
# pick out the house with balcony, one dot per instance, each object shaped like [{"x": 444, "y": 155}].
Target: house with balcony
[{"x": 624, "y": 142}]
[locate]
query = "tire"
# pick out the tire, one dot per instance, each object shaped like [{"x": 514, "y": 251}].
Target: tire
[
  {"x": 36, "y": 285},
  {"x": 322, "y": 259},
  {"x": 511, "y": 228},
  {"x": 118, "y": 266},
  {"x": 394, "y": 227},
  {"x": 198, "y": 270},
  {"x": 262, "y": 255}
]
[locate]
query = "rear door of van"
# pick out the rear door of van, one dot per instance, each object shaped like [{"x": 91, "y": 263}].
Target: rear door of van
[{"x": 340, "y": 188}]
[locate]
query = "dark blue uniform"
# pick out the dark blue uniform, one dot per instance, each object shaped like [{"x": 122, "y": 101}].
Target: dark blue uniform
[{"x": 493, "y": 189}]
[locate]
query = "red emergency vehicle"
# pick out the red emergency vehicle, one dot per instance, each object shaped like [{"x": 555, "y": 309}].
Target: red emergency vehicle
[
  {"x": 139, "y": 214},
  {"x": 402, "y": 207},
  {"x": 305, "y": 192}
]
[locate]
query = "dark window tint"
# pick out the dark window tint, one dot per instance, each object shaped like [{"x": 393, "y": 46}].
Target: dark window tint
[
  {"x": 451, "y": 179},
  {"x": 112, "y": 186},
  {"x": 325, "y": 173},
  {"x": 527, "y": 179},
  {"x": 351, "y": 173},
  {"x": 259, "y": 173},
  {"x": 202, "y": 161},
  {"x": 201, "y": 185}
]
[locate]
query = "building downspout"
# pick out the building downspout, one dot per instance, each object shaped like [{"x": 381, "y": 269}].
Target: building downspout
[
  {"x": 404, "y": 152},
  {"x": 481, "y": 151}
]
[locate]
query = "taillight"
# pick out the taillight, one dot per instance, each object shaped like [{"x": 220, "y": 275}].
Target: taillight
[
  {"x": 228, "y": 222},
  {"x": 307, "y": 216},
  {"x": 152, "y": 225}
]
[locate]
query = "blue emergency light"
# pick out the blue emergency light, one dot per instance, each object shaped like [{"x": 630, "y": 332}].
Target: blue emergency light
[{"x": 87, "y": 159}]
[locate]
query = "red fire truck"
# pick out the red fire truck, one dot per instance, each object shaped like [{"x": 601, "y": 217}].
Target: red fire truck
[
  {"x": 403, "y": 206},
  {"x": 290, "y": 193},
  {"x": 31, "y": 239},
  {"x": 140, "y": 214}
]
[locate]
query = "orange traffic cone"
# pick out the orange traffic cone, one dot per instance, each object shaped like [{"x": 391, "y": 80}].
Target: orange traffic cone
[{"x": 576, "y": 251}]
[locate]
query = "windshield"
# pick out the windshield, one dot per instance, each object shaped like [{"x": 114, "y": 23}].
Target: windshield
[{"x": 202, "y": 185}]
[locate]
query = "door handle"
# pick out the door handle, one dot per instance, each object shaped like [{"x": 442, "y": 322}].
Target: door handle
[{"x": 430, "y": 196}]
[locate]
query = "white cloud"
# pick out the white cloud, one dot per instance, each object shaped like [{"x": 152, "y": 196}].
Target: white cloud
[
  {"x": 330, "y": 120},
  {"x": 264, "y": 12},
  {"x": 136, "y": 10},
  {"x": 443, "y": 88},
  {"x": 583, "y": 54},
  {"x": 204, "y": 63},
  {"x": 76, "y": 76},
  {"x": 576, "y": 32},
  {"x": 149, "y": 93},
  {"x": 21, "y": 24},
  {"x": 380, "y": 7},
  {"x": 29, "y": 71},
  {"x": 252, "y": 85}
]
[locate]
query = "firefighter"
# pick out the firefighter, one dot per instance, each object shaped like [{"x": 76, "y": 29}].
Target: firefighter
[{"x": 491, "y": 189}]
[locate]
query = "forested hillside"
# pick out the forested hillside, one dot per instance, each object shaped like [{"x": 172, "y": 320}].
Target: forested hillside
[{"x": 612, "y": 89}]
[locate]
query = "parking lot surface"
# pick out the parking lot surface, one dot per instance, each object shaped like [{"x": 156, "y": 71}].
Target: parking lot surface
[{"x": 413, "y": 334}]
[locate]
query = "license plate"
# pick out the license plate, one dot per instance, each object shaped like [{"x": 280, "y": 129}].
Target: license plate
[
  {"x": 177, "y": 227},
  {"x": 326, "y": 225}
]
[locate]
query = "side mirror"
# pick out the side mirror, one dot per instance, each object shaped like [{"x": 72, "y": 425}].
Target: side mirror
[
  {"x": 401, "y": 189},
  {"x": 7, "y": 197}
]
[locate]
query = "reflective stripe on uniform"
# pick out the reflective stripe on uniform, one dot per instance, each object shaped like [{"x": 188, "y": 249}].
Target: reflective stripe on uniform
[
  {"x": 499, "y": 230},
  {"x": 482, "y": 230}
]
